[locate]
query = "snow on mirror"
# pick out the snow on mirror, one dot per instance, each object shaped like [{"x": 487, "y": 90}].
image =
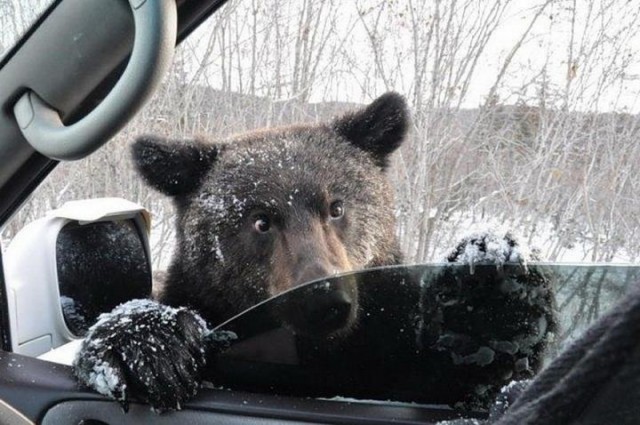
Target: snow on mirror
[
  {"x": 100, "y": 265},
  {"x": 427, "y": 334}
]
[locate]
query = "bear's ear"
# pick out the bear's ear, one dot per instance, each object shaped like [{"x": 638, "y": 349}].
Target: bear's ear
[
  {"x": 379, "y": 129},
  {"x": 174, "y": 167}
]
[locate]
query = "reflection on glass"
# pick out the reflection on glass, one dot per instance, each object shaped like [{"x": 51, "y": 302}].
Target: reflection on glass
[
  {"x": 100, "y": 265},
  {"x": 429, "y": 334}
]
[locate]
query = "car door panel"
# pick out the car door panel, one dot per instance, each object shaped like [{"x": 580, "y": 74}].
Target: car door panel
[{"x": 47, "y": 393}]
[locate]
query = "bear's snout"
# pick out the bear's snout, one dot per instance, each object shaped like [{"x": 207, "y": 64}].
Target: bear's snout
[
  {"x": 312, "y": 271},
  {"x": 306, "y": 252},
  {"x": 329, "y": 311},
  {"x": 322, "y": 309}
]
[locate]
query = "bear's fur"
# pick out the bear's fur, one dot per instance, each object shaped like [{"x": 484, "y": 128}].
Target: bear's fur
[
  {"x": 290, "y": 176},
  {"x": 266, "y": 211}
]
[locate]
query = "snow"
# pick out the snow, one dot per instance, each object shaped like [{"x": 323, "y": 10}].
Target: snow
[
  {"x": 218, "y": 250},
  {"x": 462, "y": 422},
  {"x": 483, "y": 357},
  {"x": 104, "y": 379},
  {"x": 522, "y": 364},
  {"x": 541, "y": 235},
  {"x": 221, "y": 337},
  {"x": 211, "y": 203},
  {"x": 133, "y": 334},
  {"x": 139, "y": 306},
  {"x": 73, "y": 316},
  {"x": 490, "y": 245},
  {"x": 509, "y": 347}
]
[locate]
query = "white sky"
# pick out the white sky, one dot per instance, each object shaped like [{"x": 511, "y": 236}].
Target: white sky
[
  {"x": 547, "y": 44},
  {"x": 614, "y": 21}
]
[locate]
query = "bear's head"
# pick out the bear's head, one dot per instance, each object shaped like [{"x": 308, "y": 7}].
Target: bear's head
[{"x": 268, "y": 210}]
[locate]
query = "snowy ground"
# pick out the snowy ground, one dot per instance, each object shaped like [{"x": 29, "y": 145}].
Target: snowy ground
[{"x": 544, "y": 240}]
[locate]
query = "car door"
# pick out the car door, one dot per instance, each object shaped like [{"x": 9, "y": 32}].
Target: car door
[
  {"x": 68, "y": 65},
  {"x": 71, "y": 57},
  {"x": 54, "y": 85}
]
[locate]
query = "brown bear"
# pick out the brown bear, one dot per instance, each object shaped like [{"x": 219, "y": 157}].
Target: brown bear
[
  {"x": 266, "y": 211},
  {"x": 257, "y": 215}
]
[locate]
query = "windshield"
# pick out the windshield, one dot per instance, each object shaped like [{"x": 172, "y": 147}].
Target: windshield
[{"x": 404, "y": 318}]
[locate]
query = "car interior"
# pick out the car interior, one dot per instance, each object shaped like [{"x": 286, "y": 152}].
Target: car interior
[{"x": 72, "y": 81}]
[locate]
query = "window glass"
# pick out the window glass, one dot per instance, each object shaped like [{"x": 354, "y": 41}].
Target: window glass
[
  {"x": 524, "y": 116},
  {"x": 398, "y": 323},
  {"x": 16, "y": 17}
]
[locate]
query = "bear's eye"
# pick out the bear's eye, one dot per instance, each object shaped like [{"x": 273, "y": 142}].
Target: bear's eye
[
  {"x": 336, "y": 209},
  {"x": 262, "y": 224}
]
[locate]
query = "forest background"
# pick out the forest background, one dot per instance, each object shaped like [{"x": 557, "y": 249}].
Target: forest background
[{"x": 524, "y": 115}]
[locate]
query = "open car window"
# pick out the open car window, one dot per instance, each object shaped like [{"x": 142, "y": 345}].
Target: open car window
[
  {"x": 523, "y": 116},
  {"x": 498, "y": 148}
]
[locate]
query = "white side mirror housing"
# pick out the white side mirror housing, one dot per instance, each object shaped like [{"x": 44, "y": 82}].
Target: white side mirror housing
[{"x": 36, "y": 319}]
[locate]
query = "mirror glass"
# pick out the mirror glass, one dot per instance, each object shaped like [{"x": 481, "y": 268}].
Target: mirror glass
[{"x": 100, "y": 265}]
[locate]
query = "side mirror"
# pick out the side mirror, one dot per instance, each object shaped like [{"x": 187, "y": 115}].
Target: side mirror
[{"x": 62, "y": 271}]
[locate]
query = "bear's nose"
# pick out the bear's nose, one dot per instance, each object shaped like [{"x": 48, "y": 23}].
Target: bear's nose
[
  {"x": 328, "y": 310},
  {"x": 311, "y": 272}
]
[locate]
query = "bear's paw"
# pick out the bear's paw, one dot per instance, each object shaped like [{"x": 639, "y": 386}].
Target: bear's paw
[
  {"x": 144, "y": 350},
  {"x": 491, "y": 246},
  {"x": 493, "y": 320}
]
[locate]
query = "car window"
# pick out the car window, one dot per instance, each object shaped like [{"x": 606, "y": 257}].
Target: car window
[
  {"x": 16, "y": 17},
  {"x": 524, "y": 116},
  {"x": 271, "y": 348}
]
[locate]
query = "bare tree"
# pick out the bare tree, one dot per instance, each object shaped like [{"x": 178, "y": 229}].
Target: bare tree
[{"x": 524, "y": 114}]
